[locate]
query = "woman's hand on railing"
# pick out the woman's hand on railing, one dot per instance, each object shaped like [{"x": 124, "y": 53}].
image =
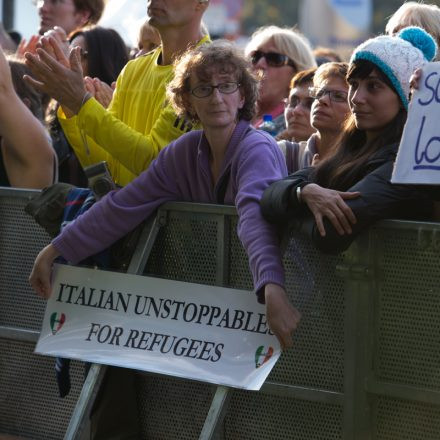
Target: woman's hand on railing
[
  {"x": 42, "y": 271},
  {"x": 282, "y": 317},
  {"x": 329, "y": 203}
]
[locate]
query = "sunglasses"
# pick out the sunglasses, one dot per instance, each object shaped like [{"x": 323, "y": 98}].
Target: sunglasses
[{"x": 273, "y": 59}]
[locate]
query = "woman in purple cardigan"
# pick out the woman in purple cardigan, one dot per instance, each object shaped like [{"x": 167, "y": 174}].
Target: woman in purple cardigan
[{"x": 227, "y": 162}]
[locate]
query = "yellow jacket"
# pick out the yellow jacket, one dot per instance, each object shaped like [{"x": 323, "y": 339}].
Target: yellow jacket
[{"x": 135, "y": 127}]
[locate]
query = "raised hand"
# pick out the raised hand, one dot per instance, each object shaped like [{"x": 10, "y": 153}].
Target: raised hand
[
  {"x": 100, "y": 90},
  {"x": 415, "y": 79},
  {"x": 59, "y": 35},
  {"x": 57, "y": 76},
  {"x": 28, "y": 45}
]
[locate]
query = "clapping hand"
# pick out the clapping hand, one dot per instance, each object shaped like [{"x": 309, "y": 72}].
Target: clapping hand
[{"x": 56, "y": 75}]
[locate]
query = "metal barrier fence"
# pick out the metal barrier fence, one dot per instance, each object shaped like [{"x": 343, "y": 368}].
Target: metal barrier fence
[
  {"x": 366, "y": 360},
  {"x": 29, "y": 402}
]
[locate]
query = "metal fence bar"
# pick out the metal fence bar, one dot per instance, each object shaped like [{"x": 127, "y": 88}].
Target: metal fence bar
[
  {"x": 146, "y": 242},
  {"x": 216, "y": 413},
  {"x": 404, "y": 392},
  {"x": 358, "y": 275},
  {"x": 96, "y": 374},
  {"x": 223, "y": 233},
  {"x": 303, "y": 393},
  {"x": 85, "y": 402},
  {"x": 19, "y": 334}
]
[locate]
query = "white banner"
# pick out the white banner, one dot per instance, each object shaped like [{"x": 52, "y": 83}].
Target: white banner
[
  {"x": 194, "y": 331},
  {"x": 418, "y": 159}
]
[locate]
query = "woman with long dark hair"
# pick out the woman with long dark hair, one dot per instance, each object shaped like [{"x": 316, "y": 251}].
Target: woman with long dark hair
[
  {"x": 351, "y": 188},
  {"x": 103, "y": 52}
]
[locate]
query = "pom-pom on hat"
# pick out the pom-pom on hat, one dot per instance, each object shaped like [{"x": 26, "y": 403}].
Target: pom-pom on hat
[{"x": 398, "y": 56}]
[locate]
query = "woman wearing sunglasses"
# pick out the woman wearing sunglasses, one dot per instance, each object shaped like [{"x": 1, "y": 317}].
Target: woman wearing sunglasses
[
  {"x": 221, "y": 164},
  {"x": 351, "y": 189},
  {"x": 277, "y": 54}
]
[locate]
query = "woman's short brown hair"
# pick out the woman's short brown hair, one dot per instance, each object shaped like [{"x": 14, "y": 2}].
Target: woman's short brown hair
[
  {"x": 218, "y": 56},
  {"x": 332, "y": 69},
  {"x": 95, "y": 7},
  {"x": 302, "y": 78}
]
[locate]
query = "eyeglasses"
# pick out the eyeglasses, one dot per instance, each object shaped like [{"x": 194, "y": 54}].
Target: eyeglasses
[
  {"x": 273, "y": 59},
  {"x": 84, "y": 54},
  {"x": 334, "y": 95},
  {"x": 206, "y": 90},
  {"x": 296, "y": 101}
]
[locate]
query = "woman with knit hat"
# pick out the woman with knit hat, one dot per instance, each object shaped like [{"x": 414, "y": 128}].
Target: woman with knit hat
[{"x": 351, "y": 188}]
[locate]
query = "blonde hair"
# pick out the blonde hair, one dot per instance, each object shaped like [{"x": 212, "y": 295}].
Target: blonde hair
[
  {"x": 416, "y": 14},
  {"x": 288, "y": 42}
]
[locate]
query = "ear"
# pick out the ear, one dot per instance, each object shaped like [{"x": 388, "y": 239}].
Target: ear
[
  {"x": 27, "y": 102},
  {"x": 202, "y": 5},
  {"x": 242, "y": 99},
  {"x": 83, "y": 17},
  {"x": 188, "y": 105}
]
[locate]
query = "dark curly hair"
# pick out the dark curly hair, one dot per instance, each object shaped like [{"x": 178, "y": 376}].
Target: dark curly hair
[
  {"x": 107, "y": 52},
  {"x": 219, "y": 56}
]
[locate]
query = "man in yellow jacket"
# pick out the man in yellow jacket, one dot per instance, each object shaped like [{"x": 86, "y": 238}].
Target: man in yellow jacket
[{"x": 138, "y": 123}]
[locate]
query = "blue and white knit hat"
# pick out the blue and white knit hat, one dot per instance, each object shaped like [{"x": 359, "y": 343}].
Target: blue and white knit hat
[{"x": 398, "y": 56}]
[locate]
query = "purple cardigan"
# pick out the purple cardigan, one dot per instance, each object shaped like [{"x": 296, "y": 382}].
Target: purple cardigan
[{"x": 181, "y": 172}]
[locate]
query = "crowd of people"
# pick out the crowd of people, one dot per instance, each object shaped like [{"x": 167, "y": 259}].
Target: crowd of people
[{"x": 183, "y": 119}]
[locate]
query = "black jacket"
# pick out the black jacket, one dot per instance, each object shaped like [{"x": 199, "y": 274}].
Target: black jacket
[{"x": 379, "y": 199}]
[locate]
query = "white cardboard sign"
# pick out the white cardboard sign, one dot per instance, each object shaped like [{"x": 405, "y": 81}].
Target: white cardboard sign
[
  {"x": 194, "y": 331},
  {"x": 418, "y": 159}
]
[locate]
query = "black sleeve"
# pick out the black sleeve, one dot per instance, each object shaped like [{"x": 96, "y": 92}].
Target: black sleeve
[
  {"x": 379, "y": 199},
  {"x": 279, "y": 203}
]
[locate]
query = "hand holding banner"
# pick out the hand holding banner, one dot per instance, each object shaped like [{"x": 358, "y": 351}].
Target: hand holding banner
[{"x": 418, "y": 159}]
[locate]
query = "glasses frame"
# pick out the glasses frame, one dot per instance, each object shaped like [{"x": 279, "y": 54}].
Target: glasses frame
[
  {"x": 218, "y": 87},
  {"x": 256, "y": 56},
  {"x": 40, "y": 3},
  {"x": 288, "y": 103},
  {"x": 320, "y": 92},
  {"x": 83, "y": 53}
]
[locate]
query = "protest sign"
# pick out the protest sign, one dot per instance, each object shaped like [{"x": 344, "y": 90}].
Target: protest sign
[
  {"x": 207, "y": 333},
  {"x": 418, "y": 159}
]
